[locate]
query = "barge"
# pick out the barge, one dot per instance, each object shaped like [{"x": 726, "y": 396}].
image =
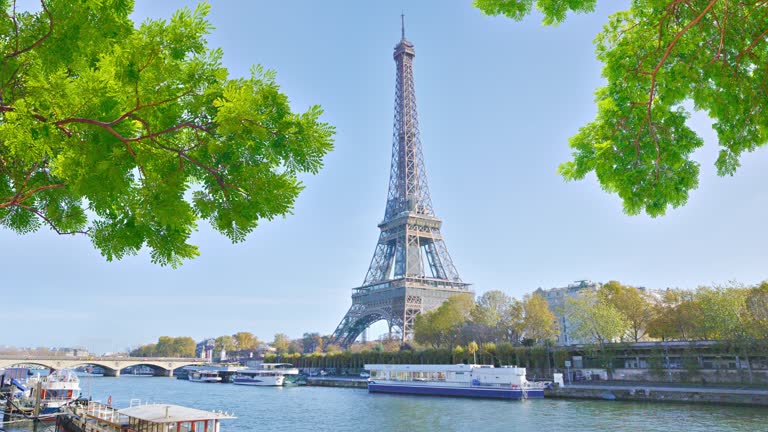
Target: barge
[{"x": 477, "y": 381}]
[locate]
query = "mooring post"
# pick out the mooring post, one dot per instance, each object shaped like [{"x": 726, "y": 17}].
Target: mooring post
[{"x": 38, "y": 394}]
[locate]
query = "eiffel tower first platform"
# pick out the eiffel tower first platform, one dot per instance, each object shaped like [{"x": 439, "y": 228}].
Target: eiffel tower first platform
[{"x": 411, "y": 271}]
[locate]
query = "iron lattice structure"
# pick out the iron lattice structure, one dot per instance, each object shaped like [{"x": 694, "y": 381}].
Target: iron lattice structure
[{"x": 411, "y": 271}]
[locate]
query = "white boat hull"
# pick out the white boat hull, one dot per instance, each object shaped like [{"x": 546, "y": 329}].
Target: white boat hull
[
  {"x": 262, "y": 381},
  {"x": 206, "y": 379}
]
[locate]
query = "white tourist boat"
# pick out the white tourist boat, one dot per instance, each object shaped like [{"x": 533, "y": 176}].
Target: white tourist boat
[
  {"x": 204, "y": 376},
  {"x": 453, "y": 380},
  {"x": 259, "y": 377}
]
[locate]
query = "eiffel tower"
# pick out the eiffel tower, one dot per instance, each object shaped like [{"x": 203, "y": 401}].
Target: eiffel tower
[{"x": 411, "y": 271}]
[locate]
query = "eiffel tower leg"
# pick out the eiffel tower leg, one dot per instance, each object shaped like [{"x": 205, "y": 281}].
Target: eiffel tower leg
[
  {"x": 360, "y": 316},
  {"x": 413, "y": 307}
]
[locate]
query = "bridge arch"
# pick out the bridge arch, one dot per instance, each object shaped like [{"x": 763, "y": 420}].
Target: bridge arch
[{"x": 16, "y": 363}]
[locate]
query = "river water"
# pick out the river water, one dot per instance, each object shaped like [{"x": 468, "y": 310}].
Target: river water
[{"x": 340, "y": 409}]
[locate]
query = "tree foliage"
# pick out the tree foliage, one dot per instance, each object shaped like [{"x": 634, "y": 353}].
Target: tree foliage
[
  {"x": 495, "y": 317},
  {"x": 676, "y": 316},
  {"x": 756, "y": 306},
  {"x": 166, "y": 346},
  {"x": 657, "y": 56},
  {"x": 442, "y": 327},
  {"x": 245, "y": 341},
  {"x": 282, "y": 343},
  {"x": 224, "y": 343},
  {"x": 539, "y": 323},
  {"x": 594, "y": 320},
  {"x": 130, "y": 135},
  {"x": 633, "y": 303}
]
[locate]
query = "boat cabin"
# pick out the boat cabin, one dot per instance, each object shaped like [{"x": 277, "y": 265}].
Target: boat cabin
[
  {"x": 171, "y": 418},
  {"x": 282, "y": 368}
]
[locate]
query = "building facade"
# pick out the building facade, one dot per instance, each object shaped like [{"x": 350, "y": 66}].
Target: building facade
[{"x": 556, "y": 299}]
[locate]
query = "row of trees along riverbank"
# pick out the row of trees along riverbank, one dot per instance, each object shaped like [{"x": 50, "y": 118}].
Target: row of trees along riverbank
[
  {"x": 501, "y": 330},
  {"x": 660, "y": 361}
]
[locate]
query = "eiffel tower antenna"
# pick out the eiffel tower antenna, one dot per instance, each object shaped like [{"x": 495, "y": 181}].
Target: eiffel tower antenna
[{"x": 411, "y": 271}]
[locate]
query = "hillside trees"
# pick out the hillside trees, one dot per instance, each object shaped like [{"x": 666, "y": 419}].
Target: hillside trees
[
  {"x": 660, "y": 58},
  {"x": 131, "y": 135}
]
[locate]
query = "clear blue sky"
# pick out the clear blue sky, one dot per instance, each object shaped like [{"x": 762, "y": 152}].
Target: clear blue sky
[{"x": 497, "y": 102}]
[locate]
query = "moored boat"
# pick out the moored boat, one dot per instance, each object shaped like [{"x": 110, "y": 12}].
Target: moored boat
[
  {"x": 205, "y": 376},
  {"x": 479, "y": 381},
  {"x": 54, "y": 391},
  {"x": 258, "y": 377}
]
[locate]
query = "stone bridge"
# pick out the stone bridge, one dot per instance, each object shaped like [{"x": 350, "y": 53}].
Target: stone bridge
[{"x": 112, "y": 366}]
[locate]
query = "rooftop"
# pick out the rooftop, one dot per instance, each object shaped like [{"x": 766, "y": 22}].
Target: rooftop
[{"x": 166, "y": 413}]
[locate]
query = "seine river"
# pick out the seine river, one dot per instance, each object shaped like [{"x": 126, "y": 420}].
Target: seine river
[{"x": 339, "y": 409}]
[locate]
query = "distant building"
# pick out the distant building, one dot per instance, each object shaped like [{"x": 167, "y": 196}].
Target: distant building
[
  {"x": 556, "y": 298},
  {"x": 204, "y": 349},
  {"x": 71, "y": 352}
]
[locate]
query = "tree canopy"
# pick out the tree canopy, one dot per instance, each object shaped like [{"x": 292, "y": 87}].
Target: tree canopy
[
  {"x": 442, "y": 327},
  {"x": 657, "y": 56},
  {"x": 246, "y": 341},
  {"x": 594, "y": 320},
  {"x": 634, "y": 304},
  {"x": 166, "y": 346},
  {"x": 131, "y": 134},
  {"x": 539, "y": 323}
]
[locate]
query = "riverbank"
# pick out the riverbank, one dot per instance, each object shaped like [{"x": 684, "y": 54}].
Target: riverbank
[{"x": 656, "y": 393}]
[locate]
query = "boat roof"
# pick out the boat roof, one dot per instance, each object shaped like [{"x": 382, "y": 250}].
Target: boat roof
[
  {"x": 167, "y": 413},
  {"x": 439, "y": 368}
]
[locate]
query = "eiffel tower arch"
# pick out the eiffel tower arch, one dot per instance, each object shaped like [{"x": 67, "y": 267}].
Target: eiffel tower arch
[{"x": 411, "y": 271}]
